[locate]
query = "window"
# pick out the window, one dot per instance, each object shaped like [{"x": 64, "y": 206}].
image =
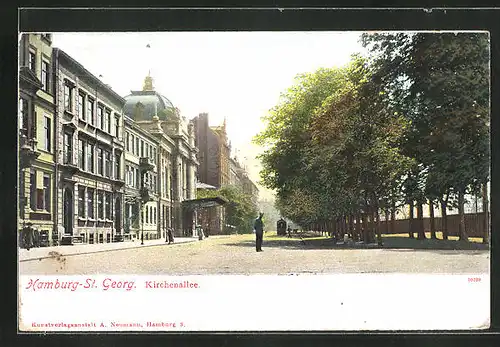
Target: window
[
  {"x": 107, "y": 205},
  {"x": 33, "y": 190},
  {"x": 117, "y": 165},
  {"x": 68, "y": 97},
  {"x": 47, "y": 131},
  {"x": 136, "y": 177},
  {"x": 46, "y": 192},
  {"x": 100, "y": 115},
  {"x": 107, "y": 163},
  {"x": 90, "y": 203},
  {"x": 142, "y": 148},
  {"x": 81, "y": 202},
  {"x": 147, "y": 150},
  {"x": 81, "y": 154},
  {"x": 45, "y": 75},
  {"x": 100, "y": 204},
  {"x": 117, "y": 126},
  {"x": 107, "y": 121},
  {"x": 90, "y": 111},
  {"x": 81, "y": 106},
  {"x": 127, "y": 141},
  {"x": 137, "y": 146},
  {"x": 90, "y": 157},
  {"x": 32, "y": 61},
  {"x": 100, "y": 161},
  {"x": 154, "y": 155},
  {"x": 154, "y": 215},
  {"x": 147, "y": 214},
  {"x": 43, "y": 194},
  {"x": 24, "y": 115},
  {"x": 68, "y": 148}
]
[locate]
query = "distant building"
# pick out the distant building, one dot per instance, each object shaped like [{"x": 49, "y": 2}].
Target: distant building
[
  {"x": 239, "y": 177},
  {"x": 214, "y": 152},
  {"x": 214, "y": 168}
]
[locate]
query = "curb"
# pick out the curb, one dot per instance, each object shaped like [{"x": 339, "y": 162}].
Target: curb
[{"x": 102, "y": 251}]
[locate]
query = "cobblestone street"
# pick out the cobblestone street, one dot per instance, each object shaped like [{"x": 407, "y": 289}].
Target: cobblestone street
[{"x": 236, "y": 255}]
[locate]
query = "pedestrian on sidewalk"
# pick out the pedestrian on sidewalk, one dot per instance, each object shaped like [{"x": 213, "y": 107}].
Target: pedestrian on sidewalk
[
  {"x": 170, "y": 234},
  {"x": 259, "y": 232}
]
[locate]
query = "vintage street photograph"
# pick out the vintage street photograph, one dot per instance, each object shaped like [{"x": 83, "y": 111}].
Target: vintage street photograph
[{"x": 249, "y": 153}]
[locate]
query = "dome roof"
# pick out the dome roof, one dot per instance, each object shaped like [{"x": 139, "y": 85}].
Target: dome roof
[{"x": 144, "y": 104}]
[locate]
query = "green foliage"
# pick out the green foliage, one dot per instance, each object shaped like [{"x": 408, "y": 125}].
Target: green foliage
[
  {"x": 410, "y": 122},
  {"x": 240, "y": 210}
]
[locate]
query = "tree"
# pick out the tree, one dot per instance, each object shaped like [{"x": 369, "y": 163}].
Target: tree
[
  {"x": 440, "y": 84},
  {"x": 240, "y": 211}
]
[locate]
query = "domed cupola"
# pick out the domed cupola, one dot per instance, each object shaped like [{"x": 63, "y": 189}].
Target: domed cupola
[{"x": 145, "y": 104}]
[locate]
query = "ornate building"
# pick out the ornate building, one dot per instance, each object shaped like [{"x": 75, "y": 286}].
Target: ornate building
[
  {"x": 36, "y": 135},
  {"x": 141, "y": 191},
  {"x": 175, "y": 156},
  {"x": 214, "y": 169},
  {"x": 89, "y": 154}
]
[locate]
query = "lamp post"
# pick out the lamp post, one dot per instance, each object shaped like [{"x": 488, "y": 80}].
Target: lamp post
[{"x": 142, "y": 222}]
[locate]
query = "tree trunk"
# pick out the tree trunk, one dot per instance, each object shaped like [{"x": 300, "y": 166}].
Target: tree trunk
[
  {"x": 486, "y": 220},
  {"x": 410, "y": 232},
  {"x": 420, "y": 221},
  {"x": 432, "y": 220},
  {"x": 393, "y": 217},
  {"x": 351, "y": 226},
  {"x": 444, "y": 219},
  {"x": 364, "y": 230},
  {"x": 387, "y": 214},
  {"x": 358, "y": 227},
  {"x": 342, "y": 227},
  {"x": 371, "y": 229},
  {"x": 461, "y": 226},
  {"x": 378, "y": 227}
]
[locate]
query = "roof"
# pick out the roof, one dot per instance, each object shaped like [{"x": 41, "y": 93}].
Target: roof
[
  {"x": 200, "y": 185},
  {"x": 153, "y": 102},
  {"x": 59, "y": 53},
  {"x": 204, "y": 202}
]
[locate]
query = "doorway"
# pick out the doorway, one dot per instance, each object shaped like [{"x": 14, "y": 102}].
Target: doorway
[
  {"x": 118, "y": 217},
  {"x": 68, "y": 211}
]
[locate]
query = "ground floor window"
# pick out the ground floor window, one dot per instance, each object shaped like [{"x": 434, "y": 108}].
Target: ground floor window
[{"x": 81, "y": 202}]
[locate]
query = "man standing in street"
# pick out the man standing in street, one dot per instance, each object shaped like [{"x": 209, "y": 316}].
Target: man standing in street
[{"x": 259, "y": 232}]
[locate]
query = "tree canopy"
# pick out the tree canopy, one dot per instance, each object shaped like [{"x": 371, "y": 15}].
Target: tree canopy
[{"x": 408, "y": 122}]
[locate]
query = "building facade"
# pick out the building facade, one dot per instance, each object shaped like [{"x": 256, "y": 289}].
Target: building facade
[
  {"x": 141, "y": 191},
  {"x": 215, "y": 166},
  {"x": 36, "y": 135},
  {"x": 214, "y": 152},
  {"x": 89, "y": 149},
  {"x": 239, "y": 177},
  {"x": 176, "y": 156}
]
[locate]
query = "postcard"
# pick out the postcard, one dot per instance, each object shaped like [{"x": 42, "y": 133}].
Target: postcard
[{"x": 253, "y": 181}]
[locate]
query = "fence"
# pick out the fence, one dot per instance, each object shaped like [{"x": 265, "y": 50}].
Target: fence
[{"x": 474, "y": 225}]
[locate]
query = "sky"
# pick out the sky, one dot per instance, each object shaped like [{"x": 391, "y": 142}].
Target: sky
[{"x": 234, "y": 75}]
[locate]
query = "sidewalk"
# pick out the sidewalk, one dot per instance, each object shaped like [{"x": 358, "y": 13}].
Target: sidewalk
[{"x": 55, "y": 251}]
